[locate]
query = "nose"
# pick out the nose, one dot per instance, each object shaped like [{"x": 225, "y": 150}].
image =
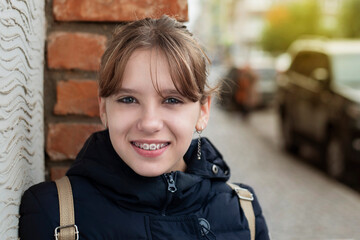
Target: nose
[{"x": 150, "y": 120}]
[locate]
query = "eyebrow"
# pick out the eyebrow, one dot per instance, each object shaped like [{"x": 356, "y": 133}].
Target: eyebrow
[
  {"x": 126, "y": 90},
  {"x": 169, "y": 91},
  {"x": 162, "y": 91}
]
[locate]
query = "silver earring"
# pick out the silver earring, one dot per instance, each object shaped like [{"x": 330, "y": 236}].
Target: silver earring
[
  {"x": 105, "y": 124},
  {"x": 199, "y": 144}
]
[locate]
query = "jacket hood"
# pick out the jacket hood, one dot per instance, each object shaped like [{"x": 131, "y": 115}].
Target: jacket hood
[{"x": 101, "y": 165}]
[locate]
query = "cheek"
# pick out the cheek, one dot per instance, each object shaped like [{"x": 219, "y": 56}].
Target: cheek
[
  {"x": 119, "y": 120},
  {"x": 185, "y": 121}
]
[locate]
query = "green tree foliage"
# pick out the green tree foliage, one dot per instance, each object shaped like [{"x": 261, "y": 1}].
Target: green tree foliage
[
  {"x": 349, "y": 20},
  {"x": 286, "y": 23}
]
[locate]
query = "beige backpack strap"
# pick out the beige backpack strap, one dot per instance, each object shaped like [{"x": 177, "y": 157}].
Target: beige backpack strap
[
  {"x": 245, "y": 199},
  {"x": 67, "y": 229}
]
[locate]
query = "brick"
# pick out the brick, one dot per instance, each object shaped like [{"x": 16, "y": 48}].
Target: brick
[
  {"x": 64, "y": 140},
  {"x": 58, "y": 172},
  {"x": 82, "y": 51},
  {"x": 118, "y": 10},
  {"x": 77, "y": 97}
]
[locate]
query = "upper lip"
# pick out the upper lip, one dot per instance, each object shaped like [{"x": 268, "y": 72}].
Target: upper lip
[{"x": 150, "y": 141}]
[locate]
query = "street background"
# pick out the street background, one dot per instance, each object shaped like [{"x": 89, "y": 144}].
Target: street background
[{"x": 299, "y": 201}]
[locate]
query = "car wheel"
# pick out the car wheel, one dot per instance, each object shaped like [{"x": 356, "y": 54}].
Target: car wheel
[
  {"x": 335, "y": 158},
  {"x": 288, "y": 136}
]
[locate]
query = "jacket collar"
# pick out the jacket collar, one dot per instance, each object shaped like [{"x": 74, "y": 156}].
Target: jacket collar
[{"x": 100, "y": 164}]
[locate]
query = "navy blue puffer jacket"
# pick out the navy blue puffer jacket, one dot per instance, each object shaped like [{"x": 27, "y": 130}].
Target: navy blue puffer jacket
[{"x": 113, "y": 202}]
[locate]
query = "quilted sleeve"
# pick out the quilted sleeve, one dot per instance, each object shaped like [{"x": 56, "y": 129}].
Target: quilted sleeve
[{"x": 35, "y": 222}]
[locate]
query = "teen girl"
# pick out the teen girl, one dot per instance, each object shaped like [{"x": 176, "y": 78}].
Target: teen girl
[{"x": 144, "y": 177}]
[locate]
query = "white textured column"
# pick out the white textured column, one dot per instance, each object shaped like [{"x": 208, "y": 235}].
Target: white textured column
[{"x": 22, "y": 37}]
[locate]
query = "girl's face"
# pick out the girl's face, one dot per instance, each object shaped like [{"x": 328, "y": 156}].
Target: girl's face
[{"x": 149, "y": 132}]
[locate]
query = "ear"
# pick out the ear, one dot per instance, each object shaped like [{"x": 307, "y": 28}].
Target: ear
[
  {"x": 102, "y": 110},
  {"x": 204, "y": 115}
]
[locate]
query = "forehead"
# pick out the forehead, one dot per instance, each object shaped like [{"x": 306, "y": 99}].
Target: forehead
[{"x": 147, "y": 67}]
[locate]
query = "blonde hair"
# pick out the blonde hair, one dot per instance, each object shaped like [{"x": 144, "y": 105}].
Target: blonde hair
[{"x": 188, "y": 63}]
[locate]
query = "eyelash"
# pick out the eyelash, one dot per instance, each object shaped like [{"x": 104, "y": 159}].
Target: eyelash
[
  {"x": 127, "y": 100},
  {"x": 173, "y": 100},
  {"x": 130, "y": 100}
]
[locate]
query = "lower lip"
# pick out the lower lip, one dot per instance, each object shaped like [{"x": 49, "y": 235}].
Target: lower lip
[{"x": 149, "y": 154}]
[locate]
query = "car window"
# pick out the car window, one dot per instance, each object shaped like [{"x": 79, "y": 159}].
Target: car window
[
  {"x": 319, "y": 60},
  {"x": 301, "y": 64},
  {"x": 346, "y": 69},
  {"x": 306, "y": 62}
]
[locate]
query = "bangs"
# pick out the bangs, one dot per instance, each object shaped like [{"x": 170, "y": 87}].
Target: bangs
[
  {"x": 187, "y": 64},
  {"x": 179, "y": 66}
]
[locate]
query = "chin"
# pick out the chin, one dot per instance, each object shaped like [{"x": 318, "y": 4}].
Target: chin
[{"x": 149, "y": 172}]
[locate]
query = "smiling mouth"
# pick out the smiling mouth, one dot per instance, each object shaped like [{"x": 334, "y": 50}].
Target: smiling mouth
[{"x": 150, "y": 146}]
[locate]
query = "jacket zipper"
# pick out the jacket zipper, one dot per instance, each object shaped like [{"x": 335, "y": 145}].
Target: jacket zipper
[{"x": 171, "y": 189}]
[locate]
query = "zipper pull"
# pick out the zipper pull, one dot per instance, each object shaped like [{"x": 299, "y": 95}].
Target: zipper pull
[{"x": 171, "y": 182}]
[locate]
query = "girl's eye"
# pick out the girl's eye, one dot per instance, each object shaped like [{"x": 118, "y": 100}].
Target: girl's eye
[
  {"x": 127, "y": 100},
  {"x": 172, "y": 101}
]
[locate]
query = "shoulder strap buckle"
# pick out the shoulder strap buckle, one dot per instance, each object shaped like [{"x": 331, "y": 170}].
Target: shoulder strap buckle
[
  {"x": 57, "y": 231},
  {"x": 243, "y": 193}
]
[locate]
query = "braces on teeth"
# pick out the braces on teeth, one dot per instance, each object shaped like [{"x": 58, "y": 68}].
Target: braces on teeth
[{"x": 151, "y": 146}]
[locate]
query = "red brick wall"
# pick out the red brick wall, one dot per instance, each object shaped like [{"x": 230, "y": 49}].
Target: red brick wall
[{"x": 77, "y": 34}]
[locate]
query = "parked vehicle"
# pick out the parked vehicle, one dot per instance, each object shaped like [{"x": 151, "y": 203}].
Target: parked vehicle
[{"x": 318, "y": 99}]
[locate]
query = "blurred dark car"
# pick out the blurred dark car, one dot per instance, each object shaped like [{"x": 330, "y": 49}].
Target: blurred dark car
[{"x": 318, "y": 99}]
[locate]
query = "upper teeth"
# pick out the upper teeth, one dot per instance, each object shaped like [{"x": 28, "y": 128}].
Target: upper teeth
[{"x": 151, "y": 146}]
